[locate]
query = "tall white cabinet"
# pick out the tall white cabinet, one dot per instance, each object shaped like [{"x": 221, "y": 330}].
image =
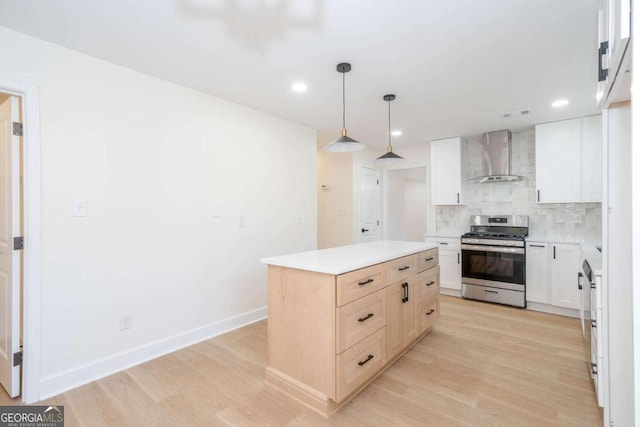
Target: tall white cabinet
[
  {"x": 447, "y": 171},
  {"x": 568, "y": 155}
]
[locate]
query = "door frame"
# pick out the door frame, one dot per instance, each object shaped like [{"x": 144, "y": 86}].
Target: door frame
[{"x": 32, "y": 256}]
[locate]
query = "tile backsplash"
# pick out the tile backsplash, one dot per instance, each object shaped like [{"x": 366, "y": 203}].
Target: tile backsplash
[{"x": 558, "y": 222}]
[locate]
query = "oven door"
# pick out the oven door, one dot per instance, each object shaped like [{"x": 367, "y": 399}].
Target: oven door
[{"x": 502, "y": 267}]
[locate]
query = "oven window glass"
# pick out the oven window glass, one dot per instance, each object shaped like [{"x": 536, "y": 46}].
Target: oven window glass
[{"x": 494, "y": 266}]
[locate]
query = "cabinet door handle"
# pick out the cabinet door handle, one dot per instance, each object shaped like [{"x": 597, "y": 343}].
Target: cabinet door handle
[
  {"x": 443, "y": 243},
  {"x": 404, "y": 293},
  {"x": 538, "y": 195},
  {"x": 406, "y": 267},
  {"x": 430, "y": 312},
  {"x": 593, "y": 285},
  {"x": 458, "y": 197},
  {"x": 594, "y": 324},
  {"x": 602, "y": 50},
  {"x": 594, "y": 369},
  {"x": 579, "y": 280},
  {"x": 364, "y": 230},
  {"x": 368, "y": 316},
  {"x": 366, "y": 282},
  {"x": 429, "y": 259},
  {"x": 431, "y": 283},
  {"x": 536, "y": 246},
  {"x": 491, "y": 292},
  {"x": 458, "y": 258},
  {"x": 369, "y": 357},
  {"x": 554, "y": 251}
]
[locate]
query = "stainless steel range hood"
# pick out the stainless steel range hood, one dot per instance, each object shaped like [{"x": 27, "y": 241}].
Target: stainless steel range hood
[{"x": 496, "y": 158}]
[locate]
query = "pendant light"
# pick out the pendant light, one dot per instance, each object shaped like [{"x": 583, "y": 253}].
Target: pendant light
[
  {"x": 344, "y": 144},
  {"x": 389, "y": 158}
]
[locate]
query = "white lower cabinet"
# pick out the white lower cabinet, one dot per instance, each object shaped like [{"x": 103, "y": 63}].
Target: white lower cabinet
[
  {"x": 565, "y": 265},
  {"x": 552, "y": 274},
  {"x": 450, "y": 262},
  {"x": 537, "y": 287}
]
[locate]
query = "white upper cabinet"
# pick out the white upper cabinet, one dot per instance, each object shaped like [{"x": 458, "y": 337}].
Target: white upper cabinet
[
  {"x": 569, "y": 161},
  {"x": 447, "y": 171},
  {"x": 614, "y": 31},
  {"x": 558, "y": 162},
  {"x": 592, "y": 159}
]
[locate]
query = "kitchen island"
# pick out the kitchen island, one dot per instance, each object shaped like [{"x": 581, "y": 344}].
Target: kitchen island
[{"x": 339, "y": 317}]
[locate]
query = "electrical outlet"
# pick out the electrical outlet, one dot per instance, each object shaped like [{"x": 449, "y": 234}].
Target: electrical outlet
[{"x": 126, "y": 321}]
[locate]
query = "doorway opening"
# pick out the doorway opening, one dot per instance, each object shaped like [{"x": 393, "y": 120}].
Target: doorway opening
[{"x": 405, "y": 204}]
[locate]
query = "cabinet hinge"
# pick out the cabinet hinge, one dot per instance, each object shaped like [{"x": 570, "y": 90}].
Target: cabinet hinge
[
  {"x": 377, "y": 182},
  {"x": 17, "y": 129},
  {"x": 18, "y": 243},
  {"x": 17, "y": 358}
]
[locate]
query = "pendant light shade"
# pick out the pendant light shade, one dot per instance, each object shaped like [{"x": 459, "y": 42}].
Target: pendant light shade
[
  {"x": 344, "y": 144},
  {"x": 389, "y": 158}
]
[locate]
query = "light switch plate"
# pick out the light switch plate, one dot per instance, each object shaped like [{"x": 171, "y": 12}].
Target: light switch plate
[{"x": 79, "y": 208}]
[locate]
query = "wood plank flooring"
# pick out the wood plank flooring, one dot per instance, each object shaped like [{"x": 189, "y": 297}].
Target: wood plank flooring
[{"x": 482, "y": 365}]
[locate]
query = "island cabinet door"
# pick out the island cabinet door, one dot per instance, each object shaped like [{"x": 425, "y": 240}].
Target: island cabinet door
[{"x": 401, "y": 329}]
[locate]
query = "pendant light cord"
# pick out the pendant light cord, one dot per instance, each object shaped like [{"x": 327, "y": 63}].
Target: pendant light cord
[
  {"x": 343, "y": 103},
  {"x": 389, "y": 123}
]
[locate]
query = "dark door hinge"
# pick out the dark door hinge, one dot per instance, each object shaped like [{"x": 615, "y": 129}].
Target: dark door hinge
[
  {"x": 17, "y": 129},
  {"x": 17, "y": 358},
  {"x": 18, "y": 243}
]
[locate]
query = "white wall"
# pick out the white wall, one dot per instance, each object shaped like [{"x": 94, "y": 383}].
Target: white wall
[
  {"x": 167, "y": 172},
  {"x": 335, "y": 199}
]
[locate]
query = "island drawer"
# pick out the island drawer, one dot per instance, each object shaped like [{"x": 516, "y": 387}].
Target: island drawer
[
  {"x": 427, "y": 312},
  {"x": 359, "y": 319},
  {"x": 428, "y": 284},
  {"x": 427, "y": 259},
  {"x": 359, "y": 283},
  {"x": 357, "y": 365},
  {"x": 401, "y": 268}
]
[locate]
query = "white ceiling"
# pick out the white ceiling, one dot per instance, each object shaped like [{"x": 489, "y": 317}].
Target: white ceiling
[{"x": 454, "y": 65}]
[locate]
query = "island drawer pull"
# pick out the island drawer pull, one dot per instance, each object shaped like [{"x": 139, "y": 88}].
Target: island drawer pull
[
  {"x": 430, "y": 312},
  {"x": 431, "y": 283},
  {"x": 429, "y": 259},
  {"x": 369, "y": 357},
  {"x": 406, "y": 267},
  {"x": 368, "y": 316},
  {"x": 366, "y": 282}
]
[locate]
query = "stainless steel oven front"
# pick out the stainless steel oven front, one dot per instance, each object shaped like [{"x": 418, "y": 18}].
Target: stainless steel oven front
[{"x": 494, "y": 273}]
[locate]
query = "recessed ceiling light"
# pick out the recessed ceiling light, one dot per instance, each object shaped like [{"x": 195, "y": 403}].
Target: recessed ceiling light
[
  {"x": 560, "y": 103},
  {"x": 299, "y": 87},
  {"x": 396, "y": 133}
]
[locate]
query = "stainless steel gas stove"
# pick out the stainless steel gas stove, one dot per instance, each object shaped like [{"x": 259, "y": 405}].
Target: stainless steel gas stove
[{"x": 493, "y": 259}]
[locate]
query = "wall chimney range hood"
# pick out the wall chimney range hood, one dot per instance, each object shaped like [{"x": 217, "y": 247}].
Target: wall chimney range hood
[{"x": 496, "y": 158}]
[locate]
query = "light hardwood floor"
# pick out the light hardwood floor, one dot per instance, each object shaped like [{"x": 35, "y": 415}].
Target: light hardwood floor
[{"x": 482, "y": 365}]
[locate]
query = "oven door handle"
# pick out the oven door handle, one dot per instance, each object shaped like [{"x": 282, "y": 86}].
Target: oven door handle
[{"x": 501, "y": 250}]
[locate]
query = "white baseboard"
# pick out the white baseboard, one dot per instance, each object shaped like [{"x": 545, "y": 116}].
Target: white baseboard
[
  {"x": 546, "y": 308},
  {"x": 53, "y": 385},
  {"x": 452, "y": 292}
]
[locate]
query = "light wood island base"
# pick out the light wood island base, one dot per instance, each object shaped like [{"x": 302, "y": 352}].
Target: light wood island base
[
  {"x": 331, "y": 333},
  {"x": 314, "y": 400}
]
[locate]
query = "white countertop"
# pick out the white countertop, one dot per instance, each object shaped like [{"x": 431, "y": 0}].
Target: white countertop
[
  {"x": 348, "y": 258},
  {"x": 594, "y": 258}
]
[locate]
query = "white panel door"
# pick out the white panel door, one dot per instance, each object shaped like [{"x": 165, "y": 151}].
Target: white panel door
[
  {"x": 537, "y": 288},
  {"x": 558, "y": 162},
  {"x": 369, "y": 196},
  {"x": 565, "y": 265},
  {"x": 10, "y": 259}
]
